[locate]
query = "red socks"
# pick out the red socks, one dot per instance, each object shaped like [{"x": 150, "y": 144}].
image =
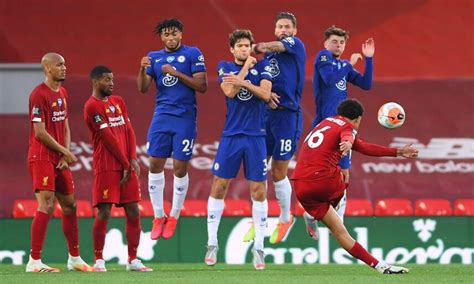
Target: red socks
[
  {"x": 99, "y": 231},
  {"x": 71, "y": 232},
  {"x": 38, "y": 233},
  {"x": 132, "y": 232},
  {"x": 361, "y": 253}
]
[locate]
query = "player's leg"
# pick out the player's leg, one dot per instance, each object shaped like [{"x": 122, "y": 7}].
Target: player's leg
[
  {"x": 286, "y": 129},
  {"x": 225, "y": 168},
  {"x": 43, "y": 177},
  {"x": 67, "y": 200},
  {"x": 340, "y": 233},
  {"x": 255, "y": 169},
  {"x": 133, "y": 231},
  {"x": 345, "y": 164},
  {"x": 215, "y": 208},
  {"x": 99, "y": 232}
]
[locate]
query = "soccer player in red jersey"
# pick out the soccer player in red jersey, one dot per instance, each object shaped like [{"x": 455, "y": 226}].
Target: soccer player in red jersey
[
  {"x": 319, "y": 183},
  {"x": 48, "y": 161},
  {"x": 116, "y": 168}
]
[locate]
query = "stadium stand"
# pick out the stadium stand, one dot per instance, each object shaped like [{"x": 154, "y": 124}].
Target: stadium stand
[
  {"x": 464, "y": 207},
  {"x": 433, "y": 207},
  {"x": 393, "y": 206},
  {"x": 359, "y": 207}
]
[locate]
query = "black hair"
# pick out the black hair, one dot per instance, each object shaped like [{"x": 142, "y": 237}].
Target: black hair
[
  {"x": 98, "y": 71},
  {"x": 240, "y": 34},
  {"x": 168, "y": 24},
  {"x": 286, "y": 15},
  {"x": 350, "y": 108}
]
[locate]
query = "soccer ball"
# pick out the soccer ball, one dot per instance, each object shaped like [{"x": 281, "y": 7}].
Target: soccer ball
[{"x": 391, "y": 115}]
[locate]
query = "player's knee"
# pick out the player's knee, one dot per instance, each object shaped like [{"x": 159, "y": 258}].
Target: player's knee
[
  {"x": 219, "y": 188},
  {"x": 258, "y": 192},
  {"x": 279, "y": 173},
  {"x": 103, "y": 212},
  {"x": 156, "y": 165},
  {"x": 132, "y": 211},
  {"x": 69, "y": 209},
  {"x": 180, "y": 169}
]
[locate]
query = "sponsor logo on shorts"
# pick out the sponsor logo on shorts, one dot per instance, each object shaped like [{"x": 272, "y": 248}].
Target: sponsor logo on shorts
[
  {"x": 216, "y": 166},
  {"x": 45, "y": 180}
]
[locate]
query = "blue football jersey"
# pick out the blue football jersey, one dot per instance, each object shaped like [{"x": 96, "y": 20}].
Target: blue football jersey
[
  {"x": 330, "y": 82},
  {"x": 245, "y": 112},
  {"x": 288, "y": 72},
  {"x": 172, "y": 96}
]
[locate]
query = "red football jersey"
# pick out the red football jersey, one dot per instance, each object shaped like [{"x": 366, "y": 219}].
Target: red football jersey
[
  {"x": 111, "y": 113},
  {"x": 319, "y": 156},
  {"x": 49, "y": 107}
]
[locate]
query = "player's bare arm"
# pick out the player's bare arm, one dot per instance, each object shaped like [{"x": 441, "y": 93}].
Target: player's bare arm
[
  {"x": 272, "y": 46},
  {"x": 63, "y": 164},
  {"x": 144, "y": 80},
  {"x": 262, "y": 92},
  {"x": 407, "y": 151},
  {"x": 45, "y": 138},
  {"x": 197, "y": 82},
  {"x": 368, "y": 48}
]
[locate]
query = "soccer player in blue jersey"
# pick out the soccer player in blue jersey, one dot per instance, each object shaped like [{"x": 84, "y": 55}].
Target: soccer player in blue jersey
[
  {"x": 284, "y": 118},
  {"x": 247, "y": 84},
  {"x": 178, "y": 71},
  {"x": 331, "y": 74}
]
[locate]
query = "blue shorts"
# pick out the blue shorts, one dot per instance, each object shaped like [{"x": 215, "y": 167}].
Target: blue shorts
[
  {"x": 345, "y": 162},
  {"x": 171, "y": 135},
  {"x": 237, "y": 148},
  {"x": 283, "y": 132}
]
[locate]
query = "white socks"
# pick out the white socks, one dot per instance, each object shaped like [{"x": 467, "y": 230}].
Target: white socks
[
  {"x": 341, "y": 206},
  {"x": 180, "y": 188},
  {"x": 283, "y": 194},
  {"x": 156, "y": 185},
  {"x": 215, "y": 207},
  {"x": 259, "y": 215}
]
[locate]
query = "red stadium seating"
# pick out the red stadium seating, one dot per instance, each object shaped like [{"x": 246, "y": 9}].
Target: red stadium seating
[
  {"x": 273, "y": 208},
  {"x": 84, "y": 209},
  {"x": 237, "y": 207},
  {"x": 464, "y": 207},
  {"x": 196, "y": 208},
  {"x": 146, "y": 209},
  {"x": 24, "y": 208},
  {"x": 359, "y": 207},
  {"x": 433, "y": 207},
  {"x": 393, "y": 207}
]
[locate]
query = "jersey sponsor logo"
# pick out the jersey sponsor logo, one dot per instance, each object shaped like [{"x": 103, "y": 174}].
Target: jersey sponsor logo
[
  {"x": 59, "y": 115},
  {"x": 36, "y": 110},
  {"x": 244, "y": 94},
  {"x": 98, "y": 118},
  {"x": 290, "y": 40},
  {"x": 254, "y": 72},
  {"x": 169, "y": 80},
  {"x": 181, "y": 58},
  {"x": 342, "y": 84},
  {"x": 201, "y": 58},
  {"x": 273, "y": 68},
  {"x": 170, "y": 59}
]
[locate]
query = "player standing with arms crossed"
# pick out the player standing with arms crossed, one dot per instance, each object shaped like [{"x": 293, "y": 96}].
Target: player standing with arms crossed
[
  {"x": 178, "y": 71},
  {"x": 330, "y": 78},
  {"x": 318, "y": 180},
  {"x": 247, "y": 85},
  {"x": 48, "y": 160},
  {"x": 284, "y": 118},
  {"x": 116, "y": 168}
]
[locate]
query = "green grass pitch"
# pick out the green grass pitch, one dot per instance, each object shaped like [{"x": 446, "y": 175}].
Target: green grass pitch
[{"x": 222, "y": 273}]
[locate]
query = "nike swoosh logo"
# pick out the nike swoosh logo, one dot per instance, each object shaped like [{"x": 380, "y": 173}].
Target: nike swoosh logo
[
  {"x": 283, "y": 154},
  {"x": 158, "y": 60}
]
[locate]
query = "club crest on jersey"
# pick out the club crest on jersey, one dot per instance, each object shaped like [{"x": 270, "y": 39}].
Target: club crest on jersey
[
  {"x": 170, "y": 59},
  {"x": 112, "y": 108},
  {"x": 342, "y": 84},
  {"x": 60, "y": 102},
  {"x": 273, "y": 68},
  {"x": 181, "y": 58},
  {"x": 253, "y": 72},
  {"x": 169, "y": 80}
]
